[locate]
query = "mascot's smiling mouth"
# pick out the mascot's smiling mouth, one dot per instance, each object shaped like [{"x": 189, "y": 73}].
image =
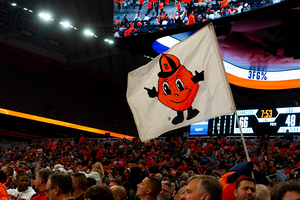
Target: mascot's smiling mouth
[{"x": 187, "y": 96}]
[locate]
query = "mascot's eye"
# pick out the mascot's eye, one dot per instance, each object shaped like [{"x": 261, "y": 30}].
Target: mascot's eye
[
  {"x": 166, "y": 88},
  {"x": 179, "y": 84}
]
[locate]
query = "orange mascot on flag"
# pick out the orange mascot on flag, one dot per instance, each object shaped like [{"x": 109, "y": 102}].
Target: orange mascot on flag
[{"x": 177, "y": 87}]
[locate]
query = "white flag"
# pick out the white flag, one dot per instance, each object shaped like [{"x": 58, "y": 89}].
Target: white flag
[{"x": 182, "y": 86}]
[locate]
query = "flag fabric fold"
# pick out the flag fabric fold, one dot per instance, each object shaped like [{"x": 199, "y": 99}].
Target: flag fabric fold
[{"x": 185, "y": 85}]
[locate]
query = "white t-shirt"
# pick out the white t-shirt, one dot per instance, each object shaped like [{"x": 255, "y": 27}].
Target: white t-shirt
[{"x": 14, "y": 194}]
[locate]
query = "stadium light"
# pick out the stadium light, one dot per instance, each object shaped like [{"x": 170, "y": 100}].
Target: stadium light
[
  {"x": 66, "y": 24},
  {"x": 45, "y": 16},
  {"x": 108, "y": 41},
  {"x": 88, "y": 32}
]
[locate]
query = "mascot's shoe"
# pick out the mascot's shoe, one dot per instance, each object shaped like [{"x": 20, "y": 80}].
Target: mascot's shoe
[
  {"x": 192, "y": 113},
  {"x": 178, "y": 119}
]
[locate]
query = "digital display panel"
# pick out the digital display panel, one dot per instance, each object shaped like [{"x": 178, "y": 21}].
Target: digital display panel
[
  {"x": 271, "y": 121},
  {"x": 222, "y": 125},
  {"x": 199, "y": 128},
  {"x": 136, "y": 17}
]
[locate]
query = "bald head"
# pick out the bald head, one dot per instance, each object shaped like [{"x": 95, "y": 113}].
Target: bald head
[{"x": 119, "y": 192}]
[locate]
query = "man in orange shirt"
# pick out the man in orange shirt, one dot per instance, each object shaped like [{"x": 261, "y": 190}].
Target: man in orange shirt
[
  {"x": 178, "y": 6},
  {"x": 191, "y": 19},
  {"x": 150, "y": 6},
  {"x": 141, "y": 5},
  {"x": 161, "y": 7}
]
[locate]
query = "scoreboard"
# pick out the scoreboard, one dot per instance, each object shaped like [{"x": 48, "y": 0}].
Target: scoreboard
[
  {"x": 271, "y": 121},
  {"x": 257, "y": 121}
]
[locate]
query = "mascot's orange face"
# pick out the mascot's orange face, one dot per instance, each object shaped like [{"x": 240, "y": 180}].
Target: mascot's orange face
[{"x": 178, "y": 90}]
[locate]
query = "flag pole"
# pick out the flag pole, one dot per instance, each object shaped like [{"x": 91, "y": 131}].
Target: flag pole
[{"x": 242, "y": 137}]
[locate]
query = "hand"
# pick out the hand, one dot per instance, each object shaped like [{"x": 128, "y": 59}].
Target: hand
[
  {"x": 152, "y": 92},
  {"x": 9, "y": 182},
  {"x": 198, "y": 77}
]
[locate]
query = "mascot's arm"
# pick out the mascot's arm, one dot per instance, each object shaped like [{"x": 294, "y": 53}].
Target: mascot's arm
[
  {"x": 152, "y": 92},
  {"x": 198, "y": 77}
]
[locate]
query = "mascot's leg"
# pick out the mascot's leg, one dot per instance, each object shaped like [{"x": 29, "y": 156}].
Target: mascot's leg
[
  {"x": 192, "y": 113},
  {"x": 179, "y": 118}
]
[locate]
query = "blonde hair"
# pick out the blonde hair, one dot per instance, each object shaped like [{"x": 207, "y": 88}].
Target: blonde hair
[{"x": 98, "y": 168}]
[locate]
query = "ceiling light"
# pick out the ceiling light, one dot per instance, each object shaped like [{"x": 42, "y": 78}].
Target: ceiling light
[
  {"x": 65, "y": 24},
  {"x": 14, "y": 4},
  {"x": 88, "y": 32},
  {"x": 106, "y": 40},
  {"x": 45, "y": 16},
  {"x": 25, "y": 8},
  {"x": 110, "y": 42},
  {"x": 30, "y": 11}
]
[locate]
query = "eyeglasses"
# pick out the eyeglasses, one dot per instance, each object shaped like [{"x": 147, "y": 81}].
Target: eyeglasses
[{"x": 47, "y": 190}]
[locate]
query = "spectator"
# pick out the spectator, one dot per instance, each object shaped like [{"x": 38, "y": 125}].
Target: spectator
[
  {"x": 114, "y": 182},
  {"x": 90, "y": 182},
  {"x": 3, "y": 192},
  {"x": 185, "y": 151},
  {"x": 79, "y": 185},
  {"x": 97, "y": 173},
  {"x": 148, "y": 189},
  {"x": 262, "y": 192},
  {"x": 245, "y": 188},
  {"x": 9, "y": 171},
  {"x": 286, "y": 191},
  {"x": 203, "y": 187},
  {"x": 119, "y": 192},
  {"x": 97, "y": 192},
  {"x": 143, "y": 171},
  {"x": 40, "y": 183},
  {"x": 23, "y": 191},
  {"x": 166, "y": 191},
  {"x": 59, "y": 186},
  {"x": 287, "y": 136}
]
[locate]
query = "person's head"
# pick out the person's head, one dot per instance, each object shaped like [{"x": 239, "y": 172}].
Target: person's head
[
  {"x": 8, "y": 170},
  {"x": 203, "y": 187},
  {"x": 59, "y": 185},
  {"x": 245, "y": 189},
  {"x": 150, "y": 186},
  {"x": 90, "y": 182},
  {"x": 158, "y": 176},
  {"x": 166, "y": 191},
  {"x": 113, "y": 182},
  {"x": 286, "y": 191},
  {"x": 142, "y": 165},
  {"x": 22, "y": 181},
  {"x": 181, "y": 190},
  {"x": 41, "y": 179},
  {"x": 2, "y": 176},
  {"x": 119, "y": 192},
  {"x": 97, "y": 192},
  {"x": 79, "y": 181},
  {"x": 98, "y": 168},
  {"x": 262, "y": 192}
]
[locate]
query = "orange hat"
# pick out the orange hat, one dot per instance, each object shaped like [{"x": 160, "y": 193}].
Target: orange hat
[{"x": 168, "y": 65}]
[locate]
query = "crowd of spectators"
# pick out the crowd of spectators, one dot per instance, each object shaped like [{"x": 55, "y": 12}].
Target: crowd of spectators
[
  {"x": 157, "y": 19},
  {"x": 128, "y": 162}
]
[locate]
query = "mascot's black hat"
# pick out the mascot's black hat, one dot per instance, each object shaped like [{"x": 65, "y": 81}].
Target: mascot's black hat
[{"x": 169, "y": 64}]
